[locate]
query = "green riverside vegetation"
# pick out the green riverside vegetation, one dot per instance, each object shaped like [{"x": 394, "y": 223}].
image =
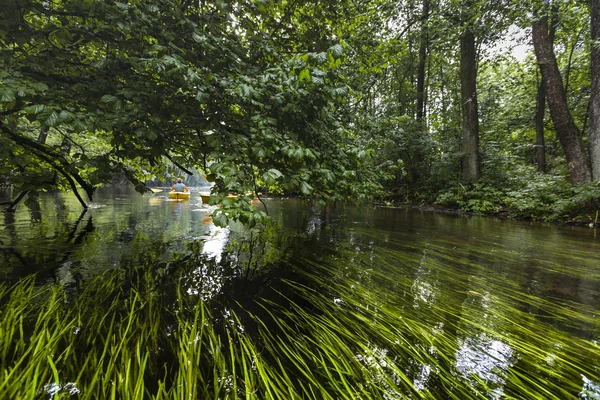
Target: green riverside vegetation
[{"x": 442, "y": 103}]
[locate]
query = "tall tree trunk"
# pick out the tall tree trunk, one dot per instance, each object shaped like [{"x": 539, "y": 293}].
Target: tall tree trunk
[
  {"x": 595, "y": 97},
  {"x": 471, "y": 170},
  {"x": 422, "y": 62},
  {"x": 577, "y": 161},
  {"x": 416, "y": 157},
  {"x": 540, "y": 142}
]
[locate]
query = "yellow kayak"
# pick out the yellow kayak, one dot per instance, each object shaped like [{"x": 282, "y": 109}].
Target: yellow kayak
[{"x": 180, "y": 195}]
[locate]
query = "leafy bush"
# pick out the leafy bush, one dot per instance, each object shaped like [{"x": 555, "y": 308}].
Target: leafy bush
[{"x": 526, "y": 194}]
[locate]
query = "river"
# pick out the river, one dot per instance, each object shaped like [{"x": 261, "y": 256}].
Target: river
[{"x": 421, "y": 304}]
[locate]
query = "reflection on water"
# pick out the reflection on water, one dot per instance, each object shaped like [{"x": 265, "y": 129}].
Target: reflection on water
[
  {"x": 51, "y": 235},
  {"x": 215, "y": 242},
  {"x": 590, "y": 390},
  {"x": 420, "y": 304},
  {"x": 486, "y": 360}
]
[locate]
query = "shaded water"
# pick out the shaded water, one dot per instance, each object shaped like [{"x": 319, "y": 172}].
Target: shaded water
[{"x": 413, "y": 303}]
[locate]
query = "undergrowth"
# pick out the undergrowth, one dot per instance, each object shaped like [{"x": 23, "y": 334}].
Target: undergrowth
[{"x": 527, "y": 195}]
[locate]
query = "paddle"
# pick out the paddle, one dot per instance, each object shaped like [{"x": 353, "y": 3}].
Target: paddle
[{"x": 155, "y": 190}]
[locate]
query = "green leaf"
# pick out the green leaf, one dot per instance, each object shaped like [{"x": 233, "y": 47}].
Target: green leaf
[
  {"x": 7, "y": 96},
  {"x": 66, "y": 116},
  {"x": 220, "y": 219},
  {"x": 35, "y": 109},
  {"x": 227, "y": 202},
  {"x": 275, "y": 173},
  {"x": 304, "y": 75},
  {"x": 271, "y": 176},
  {"x": 52, "y": 119},
  {"x": 305, "y": 188},
  {"x": 216, "y": 167},
  {"x": 259, "y": 151},
  {"x": 197, "y": 38},
  {"x": 336, "y": 51},
  {"x": 107, "y": 98},
  {"x": 320, "y": 57}
]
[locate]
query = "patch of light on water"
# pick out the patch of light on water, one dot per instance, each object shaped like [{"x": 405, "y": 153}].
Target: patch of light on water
[
  {"x": 214, "y": 246},
  {"x": 208, "y": 280},
  {"x": 313, "y": 224},
  {"x": 422, "y": 377},
  {"x": 590, "y": 389},
  {"x": 226, "y": 382},
  {"x": 551, "y": 357},
  {"x": 232, "y": 321},
  {"x": 487, "y": 358},
  {"x": 208, "y": 283},
  {"x": 382, "y": 370},
  {"x": 95, "y": 206},
  {"x": 53, "y": 389},
  {"x": 64, "y": 273},
  {"x": 424, "y": 292}
]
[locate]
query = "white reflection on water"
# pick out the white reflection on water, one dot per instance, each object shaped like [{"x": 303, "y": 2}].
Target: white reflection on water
[
  {"x": 423, "y": 291},
  {"x": 215, "y": 242},
  {"x": 422, "y": 377},
  {"x": 487, "y": 358},
  {"x": 379, "y": 368},
  {"x": 53, "y": 389},
  {"x": 208, "y": 279},
  {"x": 590, "y": 390},
  {"x": 313, "y": 225}
]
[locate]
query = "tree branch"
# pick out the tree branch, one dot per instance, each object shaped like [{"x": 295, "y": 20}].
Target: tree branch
[
  {"x": 13, "y": 204},
  {"x": 51, "y": 157},
  {"x": 179, "y": 165}
]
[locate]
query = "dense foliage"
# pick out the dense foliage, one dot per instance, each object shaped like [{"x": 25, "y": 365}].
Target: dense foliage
[{"x": 335, "y": 100}]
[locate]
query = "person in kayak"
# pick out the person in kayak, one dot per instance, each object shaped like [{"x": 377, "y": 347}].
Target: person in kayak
[{"x": 179, "y": 187}]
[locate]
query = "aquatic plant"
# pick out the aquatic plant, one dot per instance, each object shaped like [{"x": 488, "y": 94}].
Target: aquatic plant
[{"x": 376, "y": 317}]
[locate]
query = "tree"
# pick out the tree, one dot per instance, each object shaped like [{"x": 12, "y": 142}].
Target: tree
[
  {"x": 541, "y": 105},
  {"x": 422, "y": 60},
  {"x": 471, "y": 169},
  {"x": 567, "y": 132},
  {"x": 218, "y": 86},
  {"x": 595, "y": 90}
]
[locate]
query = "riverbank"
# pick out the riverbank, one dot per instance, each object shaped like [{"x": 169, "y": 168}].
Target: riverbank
[
  {"x": 530, "y": 197},
  {"x": 583, "y": 219}
]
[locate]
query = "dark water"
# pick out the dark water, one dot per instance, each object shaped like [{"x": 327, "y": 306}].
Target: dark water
[{"x": 509, "y": 307}]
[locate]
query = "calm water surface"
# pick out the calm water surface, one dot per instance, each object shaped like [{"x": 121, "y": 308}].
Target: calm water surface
[{"x": 508, "y": 308}]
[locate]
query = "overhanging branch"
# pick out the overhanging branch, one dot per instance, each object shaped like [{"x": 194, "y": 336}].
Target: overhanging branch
[
  {"x": 181, "y": 167},
  {"x": 56, "y": 160}
]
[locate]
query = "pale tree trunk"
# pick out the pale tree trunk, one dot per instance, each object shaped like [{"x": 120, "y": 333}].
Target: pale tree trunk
[
  {"x": 595, "y": 98},
  {"x": 471, "y": 170},
  {"x": 540, "y": 142},
  {"x": 577, "y": 161}
]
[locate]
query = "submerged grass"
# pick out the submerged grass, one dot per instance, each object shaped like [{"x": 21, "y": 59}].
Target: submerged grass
[{"x": 328, "y": 330}]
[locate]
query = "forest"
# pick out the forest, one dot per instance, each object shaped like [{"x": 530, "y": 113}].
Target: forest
[
  {"x": 328, "y": 134},
  {"x": 488, "y": 106}
]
